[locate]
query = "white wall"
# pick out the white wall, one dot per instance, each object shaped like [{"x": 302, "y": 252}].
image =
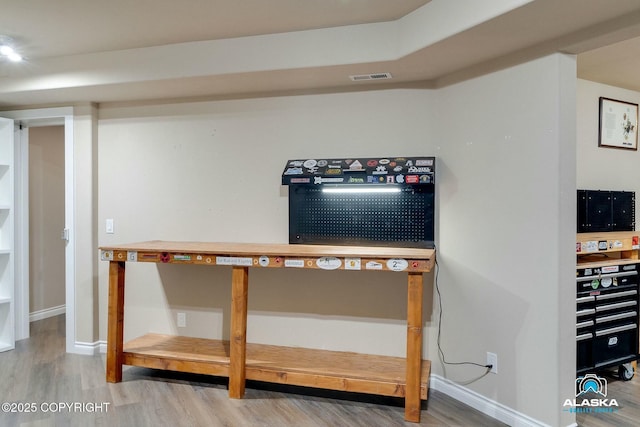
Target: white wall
[
  {"x": 505, "y": 148},
  {"x": 601, "y": 168},
  {"x": 507, "y": 230},
  {"x": 212, "y": 171}
]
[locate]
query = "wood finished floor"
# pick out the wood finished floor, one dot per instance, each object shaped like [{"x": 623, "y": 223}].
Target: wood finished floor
[
  {"x": 39, "y": 371},
  {"x": 627, "y": 393}
]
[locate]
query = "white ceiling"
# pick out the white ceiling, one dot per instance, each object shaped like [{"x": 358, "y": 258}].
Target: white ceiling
[
  {"x": 69, "y": 27},
  {"x": 124, "y": 50}
]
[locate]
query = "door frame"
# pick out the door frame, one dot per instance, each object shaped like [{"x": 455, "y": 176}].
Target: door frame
[{"x": 30, "y": 118}]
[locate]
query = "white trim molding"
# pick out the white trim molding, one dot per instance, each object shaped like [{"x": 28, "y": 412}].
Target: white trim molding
[
  {"x": 47, "y": 312},
  {"x": 40, "y": 117},
  {"x": 483, "y": 404},
  {"x": 89, "y": 348}
]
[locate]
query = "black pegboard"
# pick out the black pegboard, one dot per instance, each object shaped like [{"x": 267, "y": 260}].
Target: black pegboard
[
  {"x": 623, "y": 211},
  {"x": 605, "y": 211},
  {"x": 403, "y": 219}
]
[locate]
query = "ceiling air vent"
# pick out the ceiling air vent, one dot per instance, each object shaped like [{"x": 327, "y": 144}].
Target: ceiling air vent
[{"x": 375, "y": 76}]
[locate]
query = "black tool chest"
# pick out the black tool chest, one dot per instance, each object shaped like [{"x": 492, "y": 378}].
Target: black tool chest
[{"x": 607, "y": 317}]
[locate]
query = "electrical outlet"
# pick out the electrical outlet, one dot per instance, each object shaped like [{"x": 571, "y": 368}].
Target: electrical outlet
[
  {"x": 492, "y": 359},
  {"x": 182, "y": 320}
]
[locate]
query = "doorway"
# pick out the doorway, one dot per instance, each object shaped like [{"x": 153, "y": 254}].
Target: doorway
[{"x": 46, "y": 222}]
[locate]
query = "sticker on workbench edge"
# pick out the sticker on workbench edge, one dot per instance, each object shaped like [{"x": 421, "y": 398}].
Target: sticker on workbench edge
[
  {"x": 328, "y": 263},
  {"x": 352, "y": 264},
  {"x": 132, "y": 256},
  {"x": 372, "y": 265},
  {"x": 106, "y": 255},
  {"x": 590, "y": 246},
  {"x": 263, "y": 261},
  {"x": 296, "y": 263},
  {"x": 231, "y": 260},
  {"x": 397, "y": 264}
]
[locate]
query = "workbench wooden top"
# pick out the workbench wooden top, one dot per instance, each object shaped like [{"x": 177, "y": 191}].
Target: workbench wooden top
[{"x": 273, "y": 249}]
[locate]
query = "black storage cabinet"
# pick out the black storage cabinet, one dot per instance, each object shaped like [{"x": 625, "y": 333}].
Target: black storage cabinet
[{"x": 604, "y": 211}]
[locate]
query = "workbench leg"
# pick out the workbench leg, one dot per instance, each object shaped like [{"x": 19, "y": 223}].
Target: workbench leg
[
  {"x": 115, "y": 322},
  {"x": 238, "y": 342},
  {"x": 414, "y": 347}
]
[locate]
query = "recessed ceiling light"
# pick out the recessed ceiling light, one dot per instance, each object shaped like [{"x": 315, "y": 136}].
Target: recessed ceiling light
[{"x": 7, "y": 50}]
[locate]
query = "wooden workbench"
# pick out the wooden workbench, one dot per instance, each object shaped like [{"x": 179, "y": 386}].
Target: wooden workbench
[{"x": 390, "y": 376}]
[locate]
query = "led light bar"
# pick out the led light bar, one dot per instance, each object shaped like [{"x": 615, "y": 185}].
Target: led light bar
[{"x": 362, "y": 189}]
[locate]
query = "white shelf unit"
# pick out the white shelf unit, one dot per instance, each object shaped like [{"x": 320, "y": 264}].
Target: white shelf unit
[{"x": 7, "y": 328}]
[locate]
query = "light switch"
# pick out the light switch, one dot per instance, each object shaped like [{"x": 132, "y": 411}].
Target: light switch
[{"x": 109, "y": 226}]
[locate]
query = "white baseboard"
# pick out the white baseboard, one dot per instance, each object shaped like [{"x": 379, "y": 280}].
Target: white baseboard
[
  {"x": 46, "y": 313},
  {"x": 88, "y": 348},
  {"x": 483, "y": 404}
]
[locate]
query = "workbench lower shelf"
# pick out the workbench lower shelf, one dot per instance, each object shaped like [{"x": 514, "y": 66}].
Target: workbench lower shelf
[
  {"x": 176, "y": 353},
  {"x": 333, "y": 370}
]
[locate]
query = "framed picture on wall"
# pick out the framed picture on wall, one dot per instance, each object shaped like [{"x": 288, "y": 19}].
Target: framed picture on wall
[{"x": 618, "y": 127}]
